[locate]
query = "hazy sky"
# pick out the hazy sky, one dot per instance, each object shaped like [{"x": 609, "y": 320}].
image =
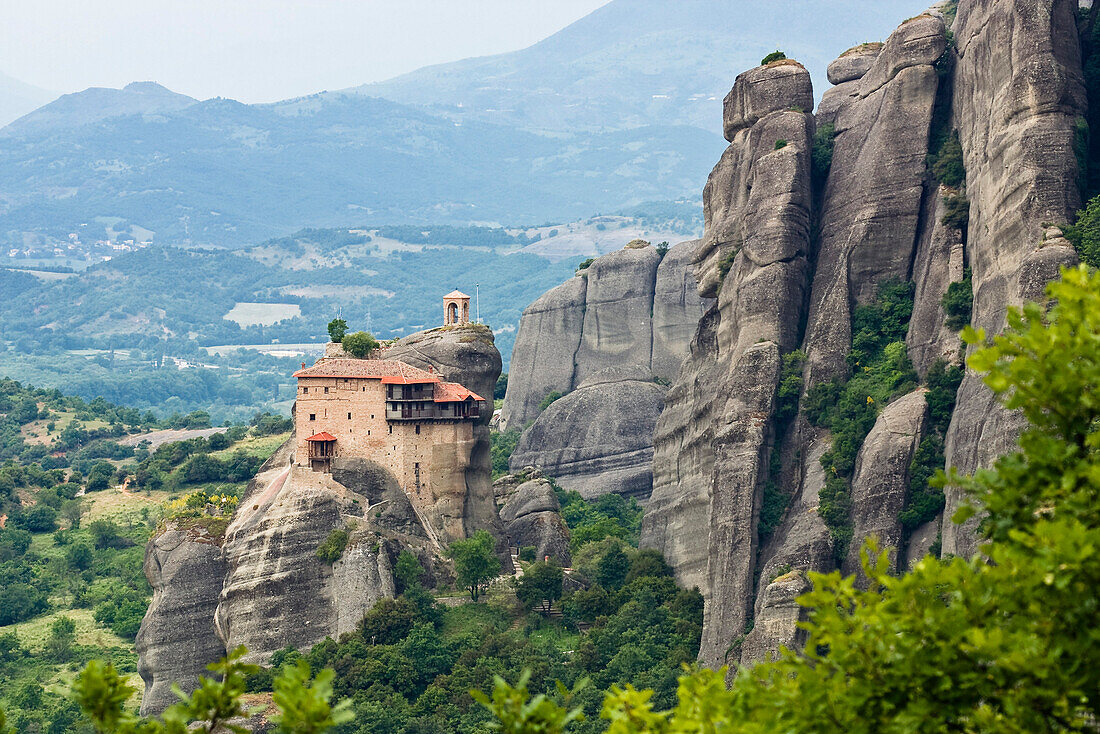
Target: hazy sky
[{"x": 260, "y": 50}]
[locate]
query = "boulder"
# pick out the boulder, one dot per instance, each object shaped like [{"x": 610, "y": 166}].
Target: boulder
[
  {"x": 880, "y": 483},
  {"x": 854, "y": 63},
  {"x": 1018, "y": 95},
  {"x": 177, "y": 639},
  {"x": 533, "y": 518},
  {"x": 781, "y": 85},
  {"x": 598, "y": 439}
]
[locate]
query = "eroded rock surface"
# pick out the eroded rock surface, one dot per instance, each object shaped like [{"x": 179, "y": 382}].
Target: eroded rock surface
[
  {"x": 177, "y": 640},
  {"x": 1018, "y": 94},
  {"x": 598, "y": 439},
  {"x": 713, "y": 439}
]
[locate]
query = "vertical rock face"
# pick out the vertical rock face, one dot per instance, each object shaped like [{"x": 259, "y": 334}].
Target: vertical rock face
[
  {"x": 603, "y": 340},
  {"x": 630, "y": 308},
  {"x": 544, "y": 356},
  {"x": 177, "y": 639},
  {"x": 876, "y": 183},
  {"x": 1018, "y": 94},
  {"x": 713, "y": 439}
]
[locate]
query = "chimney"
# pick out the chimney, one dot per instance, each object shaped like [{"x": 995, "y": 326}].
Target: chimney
[{"x": 303, "y": 365}]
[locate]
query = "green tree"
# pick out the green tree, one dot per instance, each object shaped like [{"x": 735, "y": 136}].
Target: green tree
[
  {"x": 79, "y": 557},
  {"x": 407, "y": 571},
  {"x": 1085, "y": 232},
  {"x": 475, "y": 562},
  {"x": 59, "y": 645},
  {"x": 540, "y": 585},
  {"x": 72, "y": 511},
  {"x": 337, "y": 328},
  {"x": 304, "y": 705},
  {"x": 360, "y": 344},
  {"x": 612, "y": 567}
]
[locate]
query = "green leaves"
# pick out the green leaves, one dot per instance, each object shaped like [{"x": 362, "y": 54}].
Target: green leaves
[
  {"x": 516, "y": 712},
  {"x": 304, "y": 706},
  {"x": 475, "y": 563}
]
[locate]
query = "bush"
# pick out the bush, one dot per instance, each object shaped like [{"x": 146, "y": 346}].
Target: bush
[
  {"x": 956, "y": 211},
  {"x": 360, "y": 344},
  {"x": 549, "y": 399},
  {"x": 105, "y": 534},
  {"x": 779, "y": 144},
  {"x": 822, "y": 155},
  {"x": 1085, "y": 232},
  {"x": 501, "y": 446},
  {"x": 19, "y": 602},
  {"x": 773, "y": 56},
  {"x": 958, "y": 301},
  {"x": 332, "y": 548},
  {"x": 540, "y": 585},
  {"x": 947, "y": 162},
  {"x": 337, "y": 328},
  {"x": 38, "y": 519},
  {"x": 586, "y": 263}
]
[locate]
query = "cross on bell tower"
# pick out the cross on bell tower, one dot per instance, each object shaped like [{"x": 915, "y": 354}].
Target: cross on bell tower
[{"x": 456, "y": 308}]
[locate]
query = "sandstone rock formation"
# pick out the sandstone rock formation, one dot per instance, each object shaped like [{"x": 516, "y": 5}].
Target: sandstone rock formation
[
  {"x": 598, "y": 439},
  {"x": 604, "y": 340},
  {"x": 1013, "y": 92},
  {"x": 177, "y": 638},
  {"x": 713, "y": 439},
  {"x": 1018, "y": 94},
  {"x": 532, "y": 517},
  {"x": 628, "y": 308}
]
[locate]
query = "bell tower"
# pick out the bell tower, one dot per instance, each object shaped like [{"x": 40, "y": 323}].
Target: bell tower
[{"x": 456, "y": 308}]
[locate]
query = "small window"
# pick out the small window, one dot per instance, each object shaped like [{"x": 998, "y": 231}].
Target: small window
[
  {"x": 368, "y": 432},
  {"x": 313, "y": 416},
  {"x": 417, "y": 432},
  {"x": 349, "y": 416},
  {"x": 391, "y": 429},
  {"x": 305, "y": 389},
  {"x": 326, "y": 391},
  {"x": 372, "y": 417}
]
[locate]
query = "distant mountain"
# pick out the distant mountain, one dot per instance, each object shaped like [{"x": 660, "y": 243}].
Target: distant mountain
[
  {"x": 221, "y": 172},
  {"x": 99, "y": 103},
  {"x": 645, "y": 62},
  {"x": 619, "y": 108},
  {"x": 18, "y": 98}
]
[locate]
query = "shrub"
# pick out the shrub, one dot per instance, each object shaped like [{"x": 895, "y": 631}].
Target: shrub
[
  {"x": 19, "y": 601},
  {"x": 360, "y": 344},
  {"x": 527, "y": 553},
  {"x": 501, "y": 446},
  {"x": 1085, "y": 232},
  {"x": 332, "y": 547},
  {"x": 956, "y": 211},
  {"x": 943, "y": 383},
  {"x": 550, "y": 398},
  {"x": 540, "y": 585},
  {"x": 958, "y": 301},
  {"x": 585, "y": 263},
  {"x": 781, "y": 143},
  {"x": 947, "y": 162},
  {"x": 773, "y": 56},
  {"x": 38, "y": 519},
  {"x": 822, "y": 155}
]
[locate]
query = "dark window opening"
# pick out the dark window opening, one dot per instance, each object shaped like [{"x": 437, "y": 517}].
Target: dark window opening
[
  {"x": 391, "y": 429},
  {"x": 326, "y": 391},
  {"x": 313, "y": 416},
  {"x": 305, "y": 389},
  {"x": 418, "y": 429},
  {"x": 349, "y": 416}
]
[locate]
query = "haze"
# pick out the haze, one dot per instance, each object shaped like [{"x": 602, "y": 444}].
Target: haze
[{"x": 261, "y": 50}]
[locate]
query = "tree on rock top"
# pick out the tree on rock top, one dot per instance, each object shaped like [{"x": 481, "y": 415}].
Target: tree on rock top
[{"x": 360, "y": 344}]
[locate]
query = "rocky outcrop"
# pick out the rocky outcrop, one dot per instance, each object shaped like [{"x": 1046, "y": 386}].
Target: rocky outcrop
[
  {"x": 777, "y": 619},
  {"x": 872, "y": 200},
  {"x": 598, "y": 439},
  {"x": 1018, "y": 94},
  {"x": 532, "y": 517},
  {"x": 713, "y": 440},
  {"x": 177, "y": 640},
  {"x": 627, "y": 308},
  {"x": 880, "y": 484}
]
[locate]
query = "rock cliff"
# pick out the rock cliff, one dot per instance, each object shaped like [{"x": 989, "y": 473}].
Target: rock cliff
[
  {"x": 607, "y": 340},
  {"x": 265, "y": 587},
  {"x": 792, "y": 258}
]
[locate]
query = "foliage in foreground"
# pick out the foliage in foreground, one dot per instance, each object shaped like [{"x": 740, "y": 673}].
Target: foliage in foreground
[{"x": 1004, "y": 642}]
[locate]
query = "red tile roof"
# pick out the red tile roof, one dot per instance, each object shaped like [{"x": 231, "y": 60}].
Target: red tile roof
[
  {"x": 322, "y": 436},
  {"x": 390, "y": 371},
  {"x": 452, "y": 392},
  {"x": 456, "y": 294}
]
